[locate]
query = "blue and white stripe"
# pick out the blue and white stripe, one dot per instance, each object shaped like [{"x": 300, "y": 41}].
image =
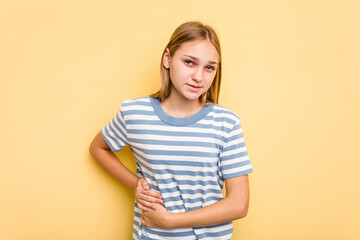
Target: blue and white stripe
[{"x": 185, "y": 159}]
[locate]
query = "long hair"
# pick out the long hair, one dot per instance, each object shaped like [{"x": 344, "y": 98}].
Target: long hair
[{"x": 190, "y": 31}]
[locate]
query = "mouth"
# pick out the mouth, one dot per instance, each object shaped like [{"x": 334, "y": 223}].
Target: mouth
[{"x": 194, "y": 87}]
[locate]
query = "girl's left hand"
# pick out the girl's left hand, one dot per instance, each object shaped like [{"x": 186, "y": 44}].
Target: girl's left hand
[{"x": 159, "y": 218}]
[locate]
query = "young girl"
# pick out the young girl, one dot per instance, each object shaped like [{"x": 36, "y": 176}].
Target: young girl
[{"x": 185, "y": 144}]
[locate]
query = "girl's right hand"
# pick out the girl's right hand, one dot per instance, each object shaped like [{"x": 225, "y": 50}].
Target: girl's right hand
[{"x": 145, "y": 197}]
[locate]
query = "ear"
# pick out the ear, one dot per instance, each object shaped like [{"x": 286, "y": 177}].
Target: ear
[{"x": 166, "y": 58}]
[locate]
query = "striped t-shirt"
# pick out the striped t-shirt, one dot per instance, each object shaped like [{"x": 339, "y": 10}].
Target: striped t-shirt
[{"x": 185, "y": 159}]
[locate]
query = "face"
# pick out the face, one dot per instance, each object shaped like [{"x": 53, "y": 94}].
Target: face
[{"x": 192, "y": 68}]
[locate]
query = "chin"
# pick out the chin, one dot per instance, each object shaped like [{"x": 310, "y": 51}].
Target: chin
[{"x": 192, "y": 97}]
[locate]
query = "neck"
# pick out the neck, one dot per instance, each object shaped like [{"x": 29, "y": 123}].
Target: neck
[{"x": 178, "y": 106}]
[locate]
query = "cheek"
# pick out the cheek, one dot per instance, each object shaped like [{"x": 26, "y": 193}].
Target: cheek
[
  {"x": 210, "y": 77},
  {"x": 179, "y": 71}
]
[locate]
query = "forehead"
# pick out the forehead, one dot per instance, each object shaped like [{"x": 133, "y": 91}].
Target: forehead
[{"x": 204, "y": 50}]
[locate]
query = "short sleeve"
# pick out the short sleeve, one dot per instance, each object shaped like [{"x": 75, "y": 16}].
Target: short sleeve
[
  {"x": 114, "y": 133},
  {"x": 234, "y": 158}
]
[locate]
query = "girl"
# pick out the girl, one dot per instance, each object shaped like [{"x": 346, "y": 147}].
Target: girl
[{"x": 185, "y": 144}]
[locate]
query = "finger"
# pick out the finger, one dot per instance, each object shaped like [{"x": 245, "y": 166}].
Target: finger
[
  {"x": 145, "y": 186},
  {"x": 149, "y": 199},
  {"x": 151, "y": 193},
  {"x": 146, "y": 205},
  {"x": 142, "y": 207},
  {"x": 144, "y": 183},
  {"x": 143, "y": 221}
]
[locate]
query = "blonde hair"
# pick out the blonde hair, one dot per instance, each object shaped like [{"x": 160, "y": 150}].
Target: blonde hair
[{"x": 190, "y": 31}]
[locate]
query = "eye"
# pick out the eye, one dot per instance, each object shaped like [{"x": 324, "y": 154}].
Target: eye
[
  {"x": 189, "y": 62},
  {"x": 211, "y": 68}
]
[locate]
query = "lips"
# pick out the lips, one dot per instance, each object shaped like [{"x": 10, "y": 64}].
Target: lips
[{"x": 194, "y": 87}]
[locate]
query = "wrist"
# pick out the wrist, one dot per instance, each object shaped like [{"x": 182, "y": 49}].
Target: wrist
[
  {"x": 134, "y": 183},
  {"x": 170, "y": 220}
]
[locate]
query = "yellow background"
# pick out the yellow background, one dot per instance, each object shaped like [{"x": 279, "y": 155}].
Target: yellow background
[{"x": 291, "y": 72}]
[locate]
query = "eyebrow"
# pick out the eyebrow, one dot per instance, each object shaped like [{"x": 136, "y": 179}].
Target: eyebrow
[{"x": 211, "y": 62}]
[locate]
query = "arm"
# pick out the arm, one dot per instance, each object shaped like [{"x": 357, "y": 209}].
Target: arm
[
  {"x": 102, "y": 153},
  {"x": 234, "y": 206}
]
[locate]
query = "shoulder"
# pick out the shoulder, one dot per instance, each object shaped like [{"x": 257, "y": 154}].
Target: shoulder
[
  {"x": 133, "y": 104},
  {"x": 224, "y": 114},
  {"x": 137, "y": 101}
]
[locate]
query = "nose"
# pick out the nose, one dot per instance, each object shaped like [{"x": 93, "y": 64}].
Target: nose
[{"x": 197, "y": 74}]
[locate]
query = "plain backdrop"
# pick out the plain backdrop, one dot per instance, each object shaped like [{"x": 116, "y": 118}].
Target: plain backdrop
[{"x": 290, "y": 71}]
